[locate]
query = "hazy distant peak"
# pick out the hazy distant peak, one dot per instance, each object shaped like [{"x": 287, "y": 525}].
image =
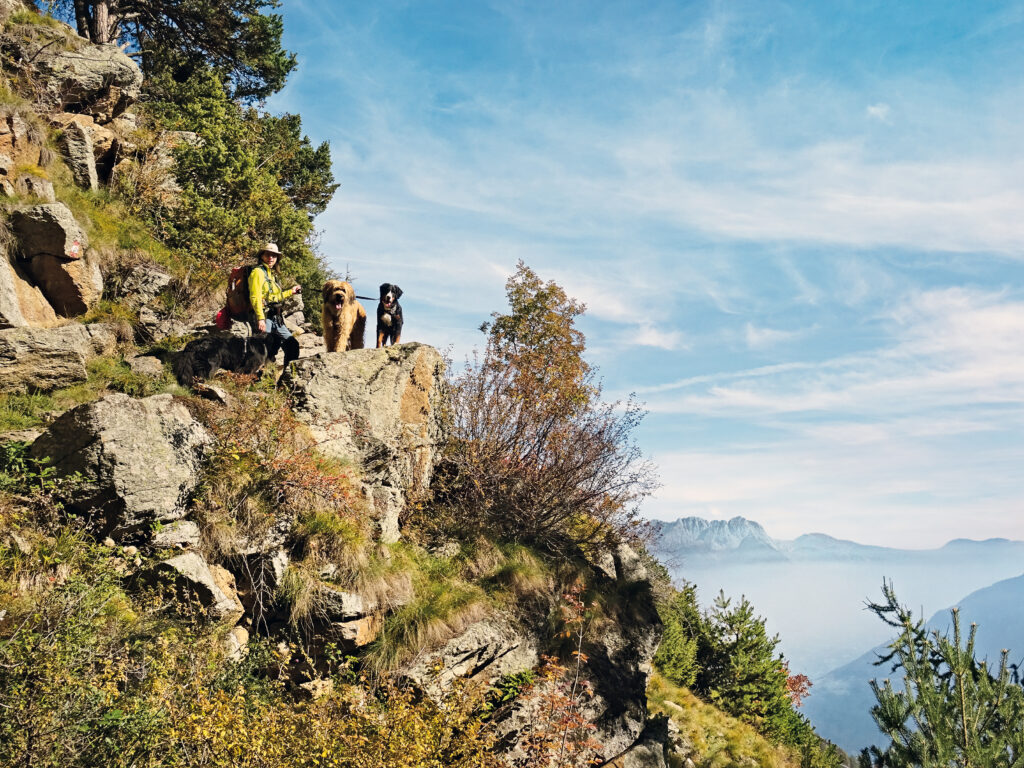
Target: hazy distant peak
[{"x": 714, "y": 535}]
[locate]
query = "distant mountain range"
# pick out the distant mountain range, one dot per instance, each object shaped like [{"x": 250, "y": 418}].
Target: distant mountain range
[
  {"x": 742, "y": 540},
  {"x": 840, "y": 702},
  {"x": 812, "y": 592}
]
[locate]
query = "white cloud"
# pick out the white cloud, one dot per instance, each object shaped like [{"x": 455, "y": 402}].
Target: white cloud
[
  {"x": 879, "y": 112},
  {"x": 649, "y": 336},
  {"x": 763, "y": 338}
]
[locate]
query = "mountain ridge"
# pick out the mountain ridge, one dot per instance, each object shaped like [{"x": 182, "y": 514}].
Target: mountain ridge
[{"x": 702, "y": 538}]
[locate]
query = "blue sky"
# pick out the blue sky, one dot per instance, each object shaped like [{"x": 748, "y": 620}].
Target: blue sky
[{"x": 798, "y": 229}]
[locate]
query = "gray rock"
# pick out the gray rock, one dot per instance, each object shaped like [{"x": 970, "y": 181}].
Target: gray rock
[
  {"x": 619, "y": 666},
  {"x": 336, "y": 604},
  {"x": 146, "y": 365},
  {"x": 485, "y": 651},
  {"x": 628, "y": 565},
  {"x": 71, "y": 287},
  {"x": 139, "y": 459},
  {"x": 43, "y": 359},
  {"x": 179, "y": 534},
  {"x": 141, "y": 285},
  {"x": 54, "y": 245},
  {"x": 78, "y": 152},
  {"x": 22, "y": 304},
  {"x": 649, "y": 750},
  {"x": 35, "y": 186},
  {"x": 98, "y": 80},
  {"x": 191, "y": 574},
  {"x": 379, "y": 408},
  {"x": 236, "y": 643},
  {"x": 49, "y": 229}
]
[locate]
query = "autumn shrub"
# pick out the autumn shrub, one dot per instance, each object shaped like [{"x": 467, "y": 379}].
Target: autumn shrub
[{"x": 535, "y": 455}]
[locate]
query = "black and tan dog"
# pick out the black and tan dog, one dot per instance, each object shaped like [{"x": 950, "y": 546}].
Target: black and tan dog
[
  {"x": 202, "y": 358},
  {"x": 389, "y": 315}
]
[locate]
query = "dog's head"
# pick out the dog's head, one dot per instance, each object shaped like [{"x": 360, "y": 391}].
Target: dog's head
[
  {"x": 389, "y": 294},
  {"x": 337, "y": 293},
  {"x": 264, "y": 345}
]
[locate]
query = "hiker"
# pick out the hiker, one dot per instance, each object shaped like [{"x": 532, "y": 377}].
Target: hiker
[{"x": 266, "y": 298}]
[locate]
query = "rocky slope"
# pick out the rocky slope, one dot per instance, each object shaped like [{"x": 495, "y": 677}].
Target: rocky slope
[{"x": 138, "y": 465}]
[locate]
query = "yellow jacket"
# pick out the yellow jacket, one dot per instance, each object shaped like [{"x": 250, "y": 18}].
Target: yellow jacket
[{"x": 263, "y": 289}]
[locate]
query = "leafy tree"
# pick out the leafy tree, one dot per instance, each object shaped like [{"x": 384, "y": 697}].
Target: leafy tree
[
  {"x": 536, "y": 456},
  {"x": 237, "y": 38},
  {"x": 952, "y": 710}
]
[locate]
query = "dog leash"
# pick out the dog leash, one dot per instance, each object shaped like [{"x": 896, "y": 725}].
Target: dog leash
[{"x": 368, "y": 298}]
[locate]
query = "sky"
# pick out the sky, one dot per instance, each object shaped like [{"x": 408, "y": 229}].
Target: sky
[{"x": 798, "y": 229}]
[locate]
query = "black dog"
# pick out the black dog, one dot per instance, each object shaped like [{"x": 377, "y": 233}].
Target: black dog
[
  {"x": 202, "y": 358},
  {"x": 389, "y": 315}
]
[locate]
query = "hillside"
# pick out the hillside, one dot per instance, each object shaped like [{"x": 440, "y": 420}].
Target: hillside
[{"x": 259, "y": 570}]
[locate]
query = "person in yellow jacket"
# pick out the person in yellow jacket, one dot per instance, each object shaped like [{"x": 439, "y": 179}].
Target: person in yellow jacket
[{"x": 264, "y": 294}]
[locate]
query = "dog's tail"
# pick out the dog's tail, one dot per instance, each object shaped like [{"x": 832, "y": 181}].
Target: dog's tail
[{"x": 185, "y": 366}]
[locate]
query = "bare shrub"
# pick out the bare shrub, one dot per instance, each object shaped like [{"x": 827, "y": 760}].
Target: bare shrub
[{"x": 536, "y": 456}]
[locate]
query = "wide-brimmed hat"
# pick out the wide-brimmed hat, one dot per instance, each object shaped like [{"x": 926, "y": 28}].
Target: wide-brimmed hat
[{"x": 270, "y": 248}]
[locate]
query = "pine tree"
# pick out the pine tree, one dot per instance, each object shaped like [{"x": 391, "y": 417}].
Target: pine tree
[
  {"x": 952, "y": 710},
  {"x": 740, "y": 672}
]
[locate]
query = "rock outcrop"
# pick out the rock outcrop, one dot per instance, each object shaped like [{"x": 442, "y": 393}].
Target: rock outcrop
[
  {"x": 619, "y": 667},
  {"x": 381, "y": 408},
  {"x": 21, "y": 140},
  {"x": 97, "y": 80},
  {"x": 482, "y": 653},
  {"x": 138, "y": 460},
  {"x": 43, "y": 359},
  {"x": 22, "y": 304},
  {"x": 211, "y": 585},
  {"x": 78, "y": 152}
]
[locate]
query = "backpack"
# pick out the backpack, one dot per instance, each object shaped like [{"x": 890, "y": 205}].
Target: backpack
[{"x": 238, "y": 304}]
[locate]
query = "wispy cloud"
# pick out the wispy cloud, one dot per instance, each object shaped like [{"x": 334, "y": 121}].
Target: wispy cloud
[{"x": 879, "y": 112}]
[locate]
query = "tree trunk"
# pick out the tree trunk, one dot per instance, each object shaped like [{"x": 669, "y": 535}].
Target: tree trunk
[
  {"x": 82, "y": 18},
  {"x": 101, "y": 21}
]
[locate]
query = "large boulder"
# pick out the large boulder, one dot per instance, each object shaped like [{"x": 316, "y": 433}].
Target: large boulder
[
  {"x": 139, "y": 460},
  {"x": 98, "y": 80},
  {"x": 42, "y": 359},
  {"x": 103, "y": 142},
  {"x": 22, "y": 304},
  {"x": 71, "y": 286},
  {"x": 380, "y": 408},
  {"x": 54, "y": 247},
  {"x": 140, "y": 284},
  {"x": 49, "y": 229}
]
